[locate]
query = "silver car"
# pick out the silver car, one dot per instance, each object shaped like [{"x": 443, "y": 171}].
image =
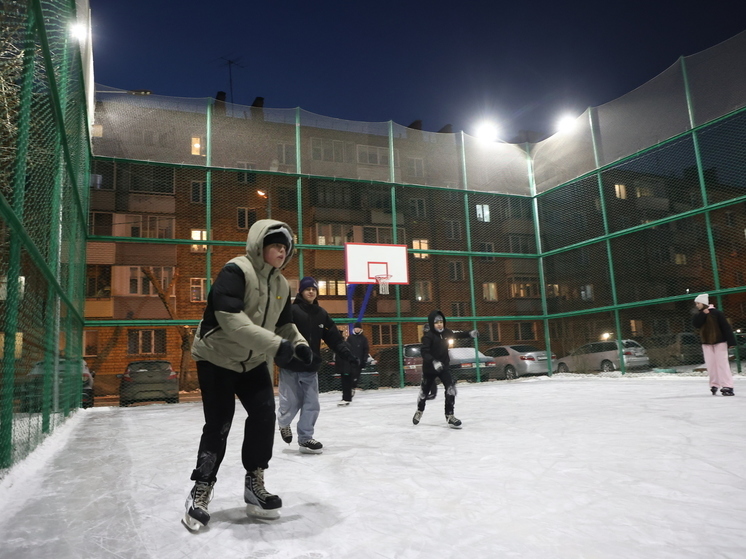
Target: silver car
[
  {"x": 513, "y": 361},
  {"x": 604, "y": 356}
]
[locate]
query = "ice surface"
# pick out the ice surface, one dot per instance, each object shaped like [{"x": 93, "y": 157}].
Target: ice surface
[{"x": 561, "y": 467}]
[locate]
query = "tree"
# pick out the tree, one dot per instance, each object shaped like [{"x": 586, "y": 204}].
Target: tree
[{"x": 186, "y": 381}]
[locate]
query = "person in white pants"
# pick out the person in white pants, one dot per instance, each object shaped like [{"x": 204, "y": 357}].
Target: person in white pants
[{"x": 717, "y": 336}]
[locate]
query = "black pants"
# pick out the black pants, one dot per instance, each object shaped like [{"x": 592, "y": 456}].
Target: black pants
[
  {"x": 219, "y": 390},
  {"x": 428, "y": 383},
  {"x": 349, "y": 382}
]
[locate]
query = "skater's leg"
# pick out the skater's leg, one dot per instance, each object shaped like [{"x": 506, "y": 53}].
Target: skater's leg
[
  {"x": 254, "y": 390},
  {"x": 218, "y": 404},
  {"x": 309, "y": 410},
  {"x": 721, "y": 373},
  {"x": 450, "y": 391},
  {"x": 346, "y": 387},
  {"x": 291, "y": 397},
  {"x": 428, "y": 381}
]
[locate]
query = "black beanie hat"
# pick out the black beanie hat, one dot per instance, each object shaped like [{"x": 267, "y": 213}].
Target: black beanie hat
[
  {"x": 358, "y": 325},
  {"x": 278, "y": 237}
]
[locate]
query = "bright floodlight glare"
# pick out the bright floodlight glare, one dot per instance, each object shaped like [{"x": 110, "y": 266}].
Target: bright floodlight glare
[
  {"x": 79, "y": 31},
  {"x": 566, "y": 123},
  {"x": 487, "y": 132}
]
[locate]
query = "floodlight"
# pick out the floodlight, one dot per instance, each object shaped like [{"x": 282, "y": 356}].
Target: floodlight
[
  {"x": 79, "y": 31},
  {"x": 566, "y": 123},
  {"x": 487, "y": 132}
]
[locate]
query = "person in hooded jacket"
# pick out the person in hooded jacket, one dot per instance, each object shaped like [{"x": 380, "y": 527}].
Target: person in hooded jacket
[
  {"x": 350, "y": 373},
  {"x": 436, "y": 364},
  {"x": 716, "y": 335},
  {"x": 299, "y": 382},
  {"x": 247, "y": 323}
]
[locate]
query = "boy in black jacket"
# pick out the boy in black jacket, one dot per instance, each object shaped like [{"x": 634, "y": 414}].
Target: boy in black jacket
[
  {"x": 348, "y": 372},
  {"x": 436, "y": 363},
  {"x": 299, "y": 382}
]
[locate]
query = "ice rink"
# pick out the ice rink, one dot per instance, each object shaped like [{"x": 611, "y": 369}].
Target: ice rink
[{"x": 545, "y": 468}]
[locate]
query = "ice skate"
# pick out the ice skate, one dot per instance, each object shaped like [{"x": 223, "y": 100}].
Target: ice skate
[
  {"x": 259, "y": 502},
  {"x": 311, "y": 446},
  {"x": 287, "y": 434},
  {"x": 196, "y": 515},
  {"x": 714, "y": 390},
  {"x": 453, "y": 422},
  {"x": 343, "y": 403},
  {"x": 727, "y": 391},
  {"x": 417, "y": 417}
]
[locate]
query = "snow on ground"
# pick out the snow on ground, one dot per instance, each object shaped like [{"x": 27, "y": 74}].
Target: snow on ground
[{"x": 563, "y": 467}]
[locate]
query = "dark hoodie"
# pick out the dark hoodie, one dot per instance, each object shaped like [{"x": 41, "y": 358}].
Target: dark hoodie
[
  {"x": 435, "y": 344},
  {"x": 315, "y": 324}
]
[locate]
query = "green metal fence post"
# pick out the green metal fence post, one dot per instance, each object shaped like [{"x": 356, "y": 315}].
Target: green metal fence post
[
  {"x": 395, "y": 238},
  {"x": 610, "y": 259},
  {"x": 539, "y": 249},
  {"x": 299, "y": 191}
]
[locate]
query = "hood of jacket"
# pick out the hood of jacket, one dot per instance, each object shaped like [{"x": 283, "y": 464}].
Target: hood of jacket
[
  {"x": 431, "y": 320},
  {"x": 255, "y": 241}
]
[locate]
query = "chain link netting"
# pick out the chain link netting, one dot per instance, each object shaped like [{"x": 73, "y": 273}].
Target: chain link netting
[{"x": 43, "y": 208}]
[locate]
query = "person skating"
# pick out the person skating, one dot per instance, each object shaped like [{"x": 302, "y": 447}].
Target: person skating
[
  {"x": 350, "y": 373},
  {"x": 246, "y": 323},
  {"x": 435, "y": 364},
  {"x": 717, "y": 336},
  {"x": 299, "y": 382}
]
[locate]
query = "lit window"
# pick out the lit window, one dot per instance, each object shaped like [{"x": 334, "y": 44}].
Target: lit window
[
  {"x": 489, "y": 291},
  {"x": 421, "y": 244},
  {"x": 621, "y": 191},
  {"x": 199, "y": 235},
  {"x": 483, "y": 212}
]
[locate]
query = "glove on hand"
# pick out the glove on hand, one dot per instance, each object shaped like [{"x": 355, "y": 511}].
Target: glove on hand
[
  {"x": 284, "y": 353},
  {"x": 474, "y": 333},
  {"x": 304, "y": 353},
  {"x": 437, "y": 365}
]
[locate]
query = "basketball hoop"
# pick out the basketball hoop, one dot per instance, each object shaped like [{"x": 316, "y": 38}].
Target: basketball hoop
[{"x": 383, "y": 284}]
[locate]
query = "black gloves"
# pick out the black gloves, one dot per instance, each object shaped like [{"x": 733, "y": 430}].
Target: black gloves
[
  {"x": 284, "y": 353},
  {"x": 304, "y": 353}
]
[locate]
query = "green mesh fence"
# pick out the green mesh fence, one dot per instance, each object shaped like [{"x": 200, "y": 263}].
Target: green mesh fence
[
  {"x": 43, "y": 209},
  {"x": 590, "y": 245}
]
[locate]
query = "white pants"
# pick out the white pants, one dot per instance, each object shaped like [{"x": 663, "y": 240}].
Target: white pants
[
  {"x": 718, "y": 366},
  {"x": 299, "y": 392}
]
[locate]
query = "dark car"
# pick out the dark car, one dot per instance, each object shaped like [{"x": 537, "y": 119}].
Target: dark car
[
  {"x": 148, "y": 381},
  {"x": 463, "y": 364},
  {"x": 329, "y": 378},
  {"x": 67, "y": 372}
]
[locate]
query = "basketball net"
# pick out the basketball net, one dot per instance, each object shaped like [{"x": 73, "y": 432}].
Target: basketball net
[{"x": 383, "y": 284}]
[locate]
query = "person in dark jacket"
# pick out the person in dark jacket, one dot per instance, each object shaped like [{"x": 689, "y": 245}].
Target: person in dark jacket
[
  {"x": 349, "y": 372},
  {"x": 246, "y": 323},
  {"x": 436, "y": 363},
  {"x": 717, "y": 336},
  {"x": 299, "y": 382}
]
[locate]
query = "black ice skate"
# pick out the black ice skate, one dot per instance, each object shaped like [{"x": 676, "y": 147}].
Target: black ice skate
[
  {"x": 417, "y": 417},
  {"x": 260, "y": 502},
  {"x": 453, "y": 423},
  {"x": 287, "y": 434},
  {"x": 714, "y": 390},
  {"x": 727, "y": 391},
  {"x": 196, "y": 515},
  {"x": 311, "y": 446}
]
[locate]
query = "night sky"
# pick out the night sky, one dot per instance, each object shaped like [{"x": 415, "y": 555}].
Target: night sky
[{"x": 519, "y": 64}]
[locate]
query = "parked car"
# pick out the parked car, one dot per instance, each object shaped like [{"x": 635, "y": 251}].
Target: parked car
[
  {"x": 604, "y": 356},
  {"x": 32, "y": 386},
  {"x": 674, "y": 349},
  {"x": 463, "y": 364},
  {"x": 148, "y": 381},
  {"x": 329, "y": 378},
  {"x": 513, "y": 361}
]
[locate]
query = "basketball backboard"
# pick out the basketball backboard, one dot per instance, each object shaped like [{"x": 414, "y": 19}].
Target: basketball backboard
[{"x": 365, "y": 261}]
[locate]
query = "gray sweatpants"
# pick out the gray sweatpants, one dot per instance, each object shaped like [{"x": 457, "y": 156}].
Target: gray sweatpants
[{"x": 299, "y": 392}]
